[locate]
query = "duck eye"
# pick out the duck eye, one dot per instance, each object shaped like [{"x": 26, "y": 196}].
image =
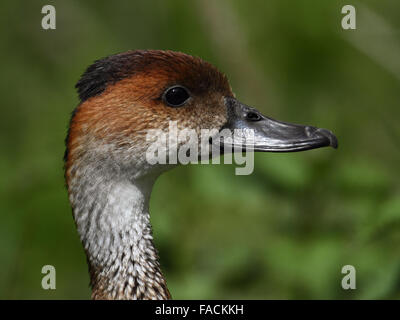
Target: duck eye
[{"x": 176, "y": 96}]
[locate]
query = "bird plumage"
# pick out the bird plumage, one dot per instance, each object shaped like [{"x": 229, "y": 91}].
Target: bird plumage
[{"x": 108, "y": 177}]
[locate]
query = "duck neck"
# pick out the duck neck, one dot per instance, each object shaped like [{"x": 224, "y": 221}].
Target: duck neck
[{"x": 112, "y": 217}]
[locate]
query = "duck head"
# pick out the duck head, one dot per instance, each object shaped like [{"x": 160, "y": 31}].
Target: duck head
[
  {"x": 125, "y": 96},
  {"x": 109, "y": 177}
]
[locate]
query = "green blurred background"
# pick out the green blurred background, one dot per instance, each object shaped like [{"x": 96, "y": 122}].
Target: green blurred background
[{"x": 283, "y": 232}]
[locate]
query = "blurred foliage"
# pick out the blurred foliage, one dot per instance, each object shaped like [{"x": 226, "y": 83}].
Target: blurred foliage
[{"x": 283, "y": 232}]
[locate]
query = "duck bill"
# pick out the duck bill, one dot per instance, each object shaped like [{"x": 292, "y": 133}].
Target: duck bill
[{"x": 250, "y": 130}]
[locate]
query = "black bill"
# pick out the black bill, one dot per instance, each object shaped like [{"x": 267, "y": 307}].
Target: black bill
[{"x": 261, "y": 133}]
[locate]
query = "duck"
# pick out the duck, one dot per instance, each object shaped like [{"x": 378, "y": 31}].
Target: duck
[{"x": 108, "y": 176}]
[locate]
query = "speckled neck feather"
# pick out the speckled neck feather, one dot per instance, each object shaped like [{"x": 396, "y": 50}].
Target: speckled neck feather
[{"x": 113, "y": 220}]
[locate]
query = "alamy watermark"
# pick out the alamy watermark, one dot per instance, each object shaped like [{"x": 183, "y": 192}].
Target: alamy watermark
[
  {"x": 349, "y": 20},
  {"x": 186, "y": 145},
  {"x": 49, "y": 280},
  {"x": 49, "y": 18},
  {"x": 349, "y": 280}
]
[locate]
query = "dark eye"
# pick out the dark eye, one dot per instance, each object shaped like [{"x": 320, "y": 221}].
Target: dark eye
[{"x": 176, "y": 96}]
